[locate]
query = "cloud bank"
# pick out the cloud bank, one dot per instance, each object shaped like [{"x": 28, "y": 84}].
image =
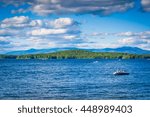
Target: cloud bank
[
  {"x": 46, "y": 7},
  {"x": 21, "y": 32},
  {"x": 99, "y": 7},
  {"x": 101, "y": 39},
  {"x": 140, "y": 39}
]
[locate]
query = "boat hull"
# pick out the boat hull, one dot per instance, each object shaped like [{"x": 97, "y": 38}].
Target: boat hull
[{"x": 121, "y": 73}]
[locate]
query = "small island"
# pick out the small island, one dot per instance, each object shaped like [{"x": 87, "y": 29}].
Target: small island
[{"x": 78, "y": 54}]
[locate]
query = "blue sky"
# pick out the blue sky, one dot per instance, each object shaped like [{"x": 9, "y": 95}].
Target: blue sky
[{"x": 39, "y": 24}]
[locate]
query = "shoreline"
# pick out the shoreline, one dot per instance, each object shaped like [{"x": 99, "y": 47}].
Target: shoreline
[{"x": 78, "y": 54}]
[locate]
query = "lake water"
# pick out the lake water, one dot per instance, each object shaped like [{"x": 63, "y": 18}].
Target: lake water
[{"x": 74, "y": 79}]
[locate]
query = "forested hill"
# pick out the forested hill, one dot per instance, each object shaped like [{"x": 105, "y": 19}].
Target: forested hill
[{"x": 77, "y": 54}]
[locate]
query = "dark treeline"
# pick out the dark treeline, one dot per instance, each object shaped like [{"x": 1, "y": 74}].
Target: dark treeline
[
  {"x": 77, "y": 54},
  {"x": 8, "y": 57}
]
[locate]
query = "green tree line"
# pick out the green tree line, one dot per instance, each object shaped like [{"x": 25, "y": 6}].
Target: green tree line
[{"x": 78, "y": 54}]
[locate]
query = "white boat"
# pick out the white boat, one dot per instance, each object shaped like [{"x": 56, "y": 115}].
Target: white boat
[{"x": 119, "y": 72}]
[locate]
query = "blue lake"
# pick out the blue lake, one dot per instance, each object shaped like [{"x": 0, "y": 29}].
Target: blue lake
[{"x": 74, "y": 79}]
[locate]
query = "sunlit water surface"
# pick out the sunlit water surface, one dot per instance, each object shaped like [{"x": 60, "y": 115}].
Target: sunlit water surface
[{"x": 74, "y": 79}]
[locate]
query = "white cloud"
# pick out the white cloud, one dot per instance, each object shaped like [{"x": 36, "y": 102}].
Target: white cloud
[
  {"x": 70, "y": 37},
  {"x": 17, "y": 21},
  {"x": 21, "y": 10},
  {"x": 8, "y": 32},
  {"x": 136, "y": 39},
  {"x": 145, "y": 33},
  {"x": 39, "y": 43},
  {"x": 97, "y": 45},
  {"x": 99, "y": 34},
  {"x": 127, "y": 41},
  {"x": 135, "y": 43},
  {"x": 4, "y": 44},
  {"x": 47, "y": 1},
  {"x": 14, "y": 2},
  {"x": 3, "y": 32},
  {"x": 126, "y": 34},
  {"x": 146, "y": 5},
  {"x": 44, "y": 31},
  {"x": 24, "y": 21},
  {"x": 61, "y": 22},
  {"x": 20, "y": 22},
  {"x": 36, "y": 23},
  {"x": 2, "y": 39}
]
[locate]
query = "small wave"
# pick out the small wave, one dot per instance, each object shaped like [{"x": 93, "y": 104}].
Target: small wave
[{"x": 95, "y": 62}]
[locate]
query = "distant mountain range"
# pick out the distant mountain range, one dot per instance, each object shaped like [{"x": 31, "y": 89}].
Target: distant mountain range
[
  {"x": 131, "y": 50},
  {"x": 126, "y": 49},
  {"x": 38, "y": 51}
]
